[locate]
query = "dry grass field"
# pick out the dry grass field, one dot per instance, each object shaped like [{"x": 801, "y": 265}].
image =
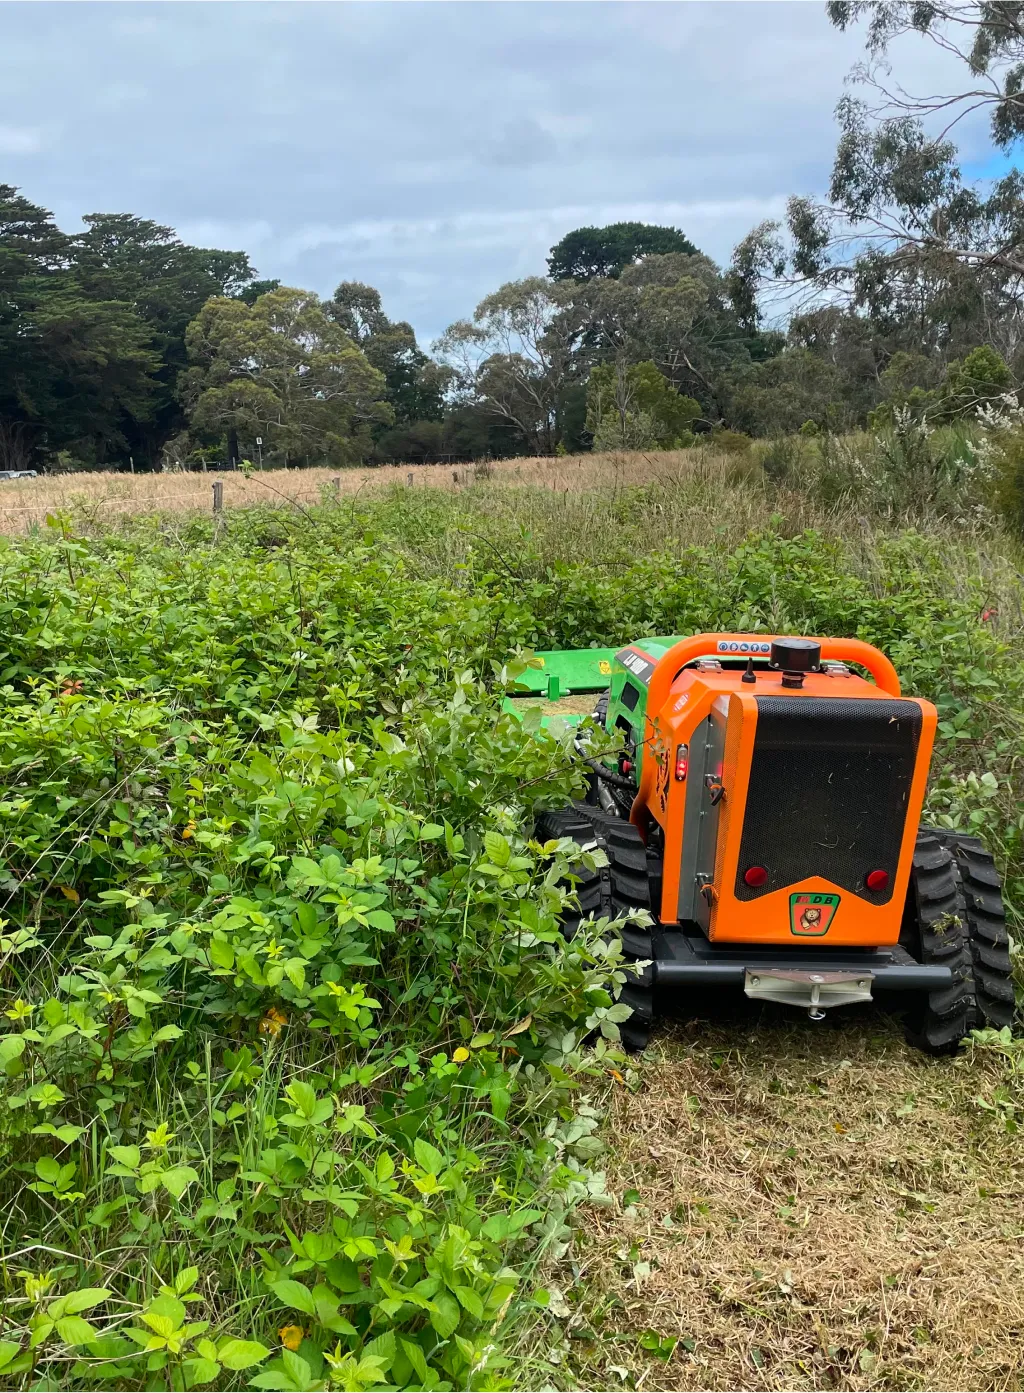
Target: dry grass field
[{"x": 94, "y": 497}]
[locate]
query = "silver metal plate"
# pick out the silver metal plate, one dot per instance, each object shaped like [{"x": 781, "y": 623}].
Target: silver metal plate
[
  {"x": 700, "y": 819},
  {"x": 814, "y": 991}
]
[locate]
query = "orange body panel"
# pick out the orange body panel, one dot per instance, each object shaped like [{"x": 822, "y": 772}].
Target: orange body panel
[{"x": 678, "y": 702}]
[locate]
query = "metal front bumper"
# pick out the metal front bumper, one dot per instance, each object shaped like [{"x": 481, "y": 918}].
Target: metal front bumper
[{"x": 689, "y": 960}]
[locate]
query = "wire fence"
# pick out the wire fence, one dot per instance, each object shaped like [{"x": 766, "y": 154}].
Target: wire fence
[
  {"x": 329, "y": 490},
  {"x": 325, "y": 491}
]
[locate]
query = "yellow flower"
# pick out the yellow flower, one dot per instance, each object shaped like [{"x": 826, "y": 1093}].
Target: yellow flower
[
  {"x": 461, "y": 1055},
  {"x": 291, "y": 1336},
  {"x": 188, "y": 830}
]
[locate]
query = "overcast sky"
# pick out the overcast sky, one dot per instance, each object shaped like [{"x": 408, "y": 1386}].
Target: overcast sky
[{"x": 433, "y": 150}]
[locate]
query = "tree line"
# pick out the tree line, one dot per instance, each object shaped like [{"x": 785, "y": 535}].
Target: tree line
[{"x": 122, "y": 346}]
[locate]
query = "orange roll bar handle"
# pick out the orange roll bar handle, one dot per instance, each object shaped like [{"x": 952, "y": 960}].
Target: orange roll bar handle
[{"x": 841, "y": 650}]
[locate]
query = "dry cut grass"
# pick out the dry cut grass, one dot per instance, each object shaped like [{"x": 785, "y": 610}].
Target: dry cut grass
[
  {"x": 819, "y": 1208},
  {"x": 98, "y": 496}
]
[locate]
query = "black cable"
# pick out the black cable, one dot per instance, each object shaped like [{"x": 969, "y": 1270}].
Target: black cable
[{"x": 603, "y": 772}]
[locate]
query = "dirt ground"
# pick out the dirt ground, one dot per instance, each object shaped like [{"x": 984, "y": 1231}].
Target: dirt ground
[{"x": 813, "y": 1207}]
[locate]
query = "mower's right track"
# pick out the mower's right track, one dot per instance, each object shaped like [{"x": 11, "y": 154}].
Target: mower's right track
[{"x": 985, "y": 920}]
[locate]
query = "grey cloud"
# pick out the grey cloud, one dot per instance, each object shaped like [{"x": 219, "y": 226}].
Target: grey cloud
[
  {"x": 521, "y": 143},
  {"x": 434, "y": 150}
]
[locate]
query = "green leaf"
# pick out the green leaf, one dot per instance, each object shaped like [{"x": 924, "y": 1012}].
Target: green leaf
[
  {"x": 500, "y": 1102},
  {"x": 295, "y": 971},
  {"x": 381, "y": 919},
  {"x": 164, "y": 1311},
  {"x": 497, "y": 1228},
  {"x": 129, "y": 1156},
  {"x": 66, "y": 1133},
  {"x": 430, "y": 832},
  {"x": 9, "y": 1351},
  {"x": 73, "y": 1330},
  {"x": 222, "y": 954},
  {"x": 167, "y": 1032},
  {"x": 497, "y": 848},
  {"x": 48, "y": 1169},
  {"x": 470, "y": 1301},
  {"x": 302, "y": 1096},
  {"x": 428, "y": 1157},
  {"x": 12, "y": 1047},
  {"x": 241, "y": 1354},
  {"x": 305, "y": 871},
  {"x": 445, "y": 1316},
  {"x": 295, "y": 1295},
  {"x": 384, "y": 1348},
  {"x": 85, "y": 1299},
  {"x": 185, "y": 1279},
  {"x": 416, "y": 1358},
  {"x": 290, "y": 1374},
  {"x": 177, "y": 1180},
  {"x": 202, "y": 1371}
]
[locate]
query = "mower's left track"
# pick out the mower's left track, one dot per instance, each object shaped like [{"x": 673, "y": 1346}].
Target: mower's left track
[{"x": 608, "y": 893}]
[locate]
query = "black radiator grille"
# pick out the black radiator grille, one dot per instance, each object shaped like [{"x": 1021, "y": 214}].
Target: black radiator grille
[{"x": 829, "y": 784}]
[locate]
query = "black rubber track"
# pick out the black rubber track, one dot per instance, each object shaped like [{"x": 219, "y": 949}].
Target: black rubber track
[
  {"x": 935, "y": 931},
  {"x": 610, "y": 892},
  {"x": 989, "y": 942}
]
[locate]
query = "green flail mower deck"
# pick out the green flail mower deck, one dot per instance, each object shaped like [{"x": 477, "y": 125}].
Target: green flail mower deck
[{"x": 566, "y": 684}]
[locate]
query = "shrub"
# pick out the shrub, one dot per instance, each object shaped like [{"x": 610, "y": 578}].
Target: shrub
[
  {"x": 635, "y": 430},
  {"x": 779, "y": 457},
  {"x": 1009, "y": 479},
  {"x": 291, "y": 1032},
  {"x": 909, "y": 468},
  {"x": 730, "y": 442}
]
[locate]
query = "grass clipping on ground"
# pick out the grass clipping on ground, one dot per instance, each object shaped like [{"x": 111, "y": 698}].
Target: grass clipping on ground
[{"x": 819, "y": 1207}]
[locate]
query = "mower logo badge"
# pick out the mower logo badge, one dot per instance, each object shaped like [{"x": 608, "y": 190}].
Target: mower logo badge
[
  {"x": 638, "y": 663},
  {"x": 810, "y": 915},
  {"x": 735, "y": 646},
  {"x": 604, "y": 667}
]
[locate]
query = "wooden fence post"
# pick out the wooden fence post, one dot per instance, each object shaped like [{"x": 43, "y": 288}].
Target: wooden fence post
[
  {"x": 336, "y": 485},
  {"x": 218, "y": 497},
  {"x": 408, "y": 480}
]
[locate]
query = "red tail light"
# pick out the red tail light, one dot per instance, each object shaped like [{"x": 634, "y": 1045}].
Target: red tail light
[
  {"x": 755, "y": 877},
  {"x": 877, "y": 880},
  {"x": 682, "y": 762}
]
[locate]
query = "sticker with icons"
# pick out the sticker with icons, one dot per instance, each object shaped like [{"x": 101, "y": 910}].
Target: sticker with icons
[{"x": 732, "y": 645}]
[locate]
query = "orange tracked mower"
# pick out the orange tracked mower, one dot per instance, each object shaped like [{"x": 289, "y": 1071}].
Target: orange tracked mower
[{"x": 765, "y": 810}]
